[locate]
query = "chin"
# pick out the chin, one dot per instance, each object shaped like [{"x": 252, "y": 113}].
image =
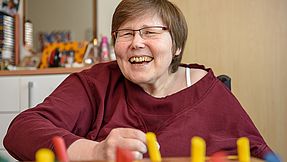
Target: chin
[{"x": 139, "y": 80}]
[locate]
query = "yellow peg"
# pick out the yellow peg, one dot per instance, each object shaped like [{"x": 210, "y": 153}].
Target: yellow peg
[
  {"x": 243, "y": 149},
  {"x": 153, "y": 148},
  {"x": 45, "y": 155},
  {"x": 197, "y": 149}
]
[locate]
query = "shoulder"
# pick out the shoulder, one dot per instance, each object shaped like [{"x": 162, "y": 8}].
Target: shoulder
[
  {"x": 99, "y": 74},
  {"x": 102, "y": 70},
  {"x": 197, "y": 72}
]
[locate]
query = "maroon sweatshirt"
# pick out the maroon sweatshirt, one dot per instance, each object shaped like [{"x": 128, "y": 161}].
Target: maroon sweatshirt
[{"x": 91, "y": 103}]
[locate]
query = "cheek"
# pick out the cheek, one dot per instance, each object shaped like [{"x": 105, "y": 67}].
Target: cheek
[
  {"x": 120, "y": 49},
  {"x": 164, "y": 50},
  {"x": 164, "y": 47}
]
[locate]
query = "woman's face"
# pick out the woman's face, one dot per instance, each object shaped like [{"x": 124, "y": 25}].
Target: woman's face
[{"x": 145, "y": 61}]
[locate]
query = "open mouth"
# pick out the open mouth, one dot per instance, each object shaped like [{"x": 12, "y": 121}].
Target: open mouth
[{"x": 140, "y": 59}]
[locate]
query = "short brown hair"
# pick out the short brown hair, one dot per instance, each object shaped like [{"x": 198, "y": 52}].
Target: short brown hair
[{"x": 170, "y": 15}]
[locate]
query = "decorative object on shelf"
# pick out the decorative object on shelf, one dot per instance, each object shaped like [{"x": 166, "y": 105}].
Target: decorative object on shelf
[
  {"x": 46, "y": 38},
  {"x": 91, "y": 54},
  {"x": 30, "y": 61},
  {"x": 9, "y": 41},
  {"x": 104, "y": 52},
  {"x": 55, "y": 58},
  {"x": 28, "y": 35},
  {"x": 9, "y": 6},
  {"x": 63, "y": 54},
  {"x": 104, "y": 49}
]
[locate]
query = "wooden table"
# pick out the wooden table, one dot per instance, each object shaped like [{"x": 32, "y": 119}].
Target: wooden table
[
  {"x": 178, "y": 159},
  {"x": 41, "y": 71}
]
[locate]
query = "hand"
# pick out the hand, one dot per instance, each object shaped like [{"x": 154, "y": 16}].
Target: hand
[{"x": 128, "y": 138}]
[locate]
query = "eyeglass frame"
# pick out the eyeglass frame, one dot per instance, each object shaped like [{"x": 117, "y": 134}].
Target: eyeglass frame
[{"x": 115, "y": 33}]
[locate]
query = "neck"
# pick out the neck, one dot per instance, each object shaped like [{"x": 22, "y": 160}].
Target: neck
[{"x": 165, "y": 86}]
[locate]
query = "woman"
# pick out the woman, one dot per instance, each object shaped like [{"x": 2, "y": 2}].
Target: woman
[{"x": 146, "y": 89}]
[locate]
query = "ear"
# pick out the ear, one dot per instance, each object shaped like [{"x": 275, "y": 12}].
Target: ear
[{"x": 177, "y": 51}]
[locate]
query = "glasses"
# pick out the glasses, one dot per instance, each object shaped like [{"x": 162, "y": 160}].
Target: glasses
[{"x": 150, "y": 32}]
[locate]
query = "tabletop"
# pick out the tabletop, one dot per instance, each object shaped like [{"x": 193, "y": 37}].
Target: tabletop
[{"x": 179, "y": 159}]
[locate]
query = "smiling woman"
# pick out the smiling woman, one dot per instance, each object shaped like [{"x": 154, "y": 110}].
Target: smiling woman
[
  {"x": 74, "y": 16},
  {"x": 147, "y": 89}
]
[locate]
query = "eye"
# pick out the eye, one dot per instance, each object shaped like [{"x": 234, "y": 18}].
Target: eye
[
  {"x": 125, "y": 33},
  {"x": 149, "y": 32}
]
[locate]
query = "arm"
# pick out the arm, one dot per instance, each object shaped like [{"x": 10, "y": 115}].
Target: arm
[
  {"x": 67, "y": 112},
  {"x": 234, "y": 122}
]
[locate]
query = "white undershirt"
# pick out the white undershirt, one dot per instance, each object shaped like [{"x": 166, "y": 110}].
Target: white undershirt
[{"x": 187, "y": 74}]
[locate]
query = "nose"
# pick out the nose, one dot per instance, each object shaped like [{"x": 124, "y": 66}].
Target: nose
[{"x": 137, "y": 41}]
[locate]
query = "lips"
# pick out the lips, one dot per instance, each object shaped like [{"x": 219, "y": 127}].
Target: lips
[{"x": 140, "y": 59}]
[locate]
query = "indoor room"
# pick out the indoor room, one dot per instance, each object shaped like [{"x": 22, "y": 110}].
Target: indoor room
[{"x": 101, "y": 70}]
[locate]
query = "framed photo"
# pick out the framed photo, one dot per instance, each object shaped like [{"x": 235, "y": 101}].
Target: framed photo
[{"x": 30, "y": 61}]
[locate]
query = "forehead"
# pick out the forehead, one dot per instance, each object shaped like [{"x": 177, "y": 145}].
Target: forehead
[{"x": 148, "y": 19}]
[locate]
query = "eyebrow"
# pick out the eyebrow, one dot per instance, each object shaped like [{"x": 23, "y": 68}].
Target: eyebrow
[{"x": 143, "y": 26}]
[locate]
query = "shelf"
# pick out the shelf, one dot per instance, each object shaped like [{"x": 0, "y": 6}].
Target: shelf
[{"x": 41, "y": 71}]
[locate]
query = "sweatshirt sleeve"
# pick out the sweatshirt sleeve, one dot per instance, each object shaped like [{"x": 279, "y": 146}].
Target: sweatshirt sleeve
[
  {"x": 229, "y": 121},
  {"x": 68, "y": 112}
]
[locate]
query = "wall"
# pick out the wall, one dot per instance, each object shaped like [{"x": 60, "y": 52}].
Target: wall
[
  {"x": 246, "y": 40},
  {"x": 75, "y": 16},
  {"x": 77, "y": 22},
  {"x": 105, "y": 10}
]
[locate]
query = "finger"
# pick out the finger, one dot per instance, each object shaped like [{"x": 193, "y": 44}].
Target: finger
[
  {"x": 133, "y": 144},
  {"x": 137, "y": 155},
  {"x": 132, "y": 133},
  {"x": 158, "y": 146}
]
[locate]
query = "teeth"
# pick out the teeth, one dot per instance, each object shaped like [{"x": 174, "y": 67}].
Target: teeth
[{"x": 140, "y": 59}]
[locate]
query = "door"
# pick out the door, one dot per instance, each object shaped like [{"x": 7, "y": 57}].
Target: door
[{"x": 34, "y": 89}]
